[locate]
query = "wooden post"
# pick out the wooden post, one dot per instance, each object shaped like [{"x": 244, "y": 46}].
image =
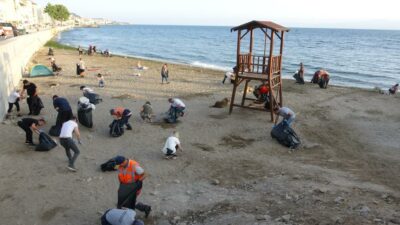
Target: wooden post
[
  {"x": 280, "y": 71},
  {"x": 271, "y": 97},
  {"x": 245, "y": 91},
  {"x": 251, "y": 50},
  {"x": 236, "y": 73}
]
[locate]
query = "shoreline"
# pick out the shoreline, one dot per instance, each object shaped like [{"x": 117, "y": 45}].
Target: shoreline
[{"x": 140, "y": 58}]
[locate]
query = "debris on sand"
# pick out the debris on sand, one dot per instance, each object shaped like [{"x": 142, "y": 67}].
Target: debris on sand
[{"x": 123, "y": 96}]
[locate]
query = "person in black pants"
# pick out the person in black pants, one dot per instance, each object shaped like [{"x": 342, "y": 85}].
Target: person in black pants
[
  {"x": 30, "y": 91},
  {"x": 63, "y": 108},
  {"x": 29, "y": 124},
  {"x": 13, "y": 99}
]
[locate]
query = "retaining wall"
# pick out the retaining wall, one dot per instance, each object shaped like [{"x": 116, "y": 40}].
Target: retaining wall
[{"x": 15, "y": 54}]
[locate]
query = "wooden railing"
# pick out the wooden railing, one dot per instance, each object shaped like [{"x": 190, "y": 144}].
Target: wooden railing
[{"x": 258, "y": 64}]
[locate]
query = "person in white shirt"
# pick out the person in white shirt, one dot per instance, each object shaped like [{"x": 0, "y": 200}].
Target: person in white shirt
[
  {"x": 13, "y": 99},
  {"x": 68, "y": 128},
  {"x": 287, "y": 114},
  {"x": 172, "y": 144},
  {"x": 177, "y": 108},
  {"x": 120, "y": 217}
]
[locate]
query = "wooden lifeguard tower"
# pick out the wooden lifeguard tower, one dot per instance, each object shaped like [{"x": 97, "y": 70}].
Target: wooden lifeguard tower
[{"x": 265, "y": 68}]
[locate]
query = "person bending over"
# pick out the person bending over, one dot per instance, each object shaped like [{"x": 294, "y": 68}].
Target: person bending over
[
  {"x": 287, "y": 114},
  {"x": 394, "y": 89},
  {"x": 130, "y": 176},
  {"x": 120, "y": 217},
  {"x": 123, "y": 115},
  {"x": 29, "y": 125},
  {"x": 63, "y": 108},
  {"x": 176, "y": 109}
]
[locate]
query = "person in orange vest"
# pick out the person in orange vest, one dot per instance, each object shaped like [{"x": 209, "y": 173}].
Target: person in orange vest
[
  {"x": 123, "y": 115},
  {"x": 131, "y": 176}
]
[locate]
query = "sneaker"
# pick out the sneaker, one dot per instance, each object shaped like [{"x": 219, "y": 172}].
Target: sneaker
[
  {"x": 129, "y": 127},
  {"x": 71, "y": 168},
  {"x": 19, "y": 114}
]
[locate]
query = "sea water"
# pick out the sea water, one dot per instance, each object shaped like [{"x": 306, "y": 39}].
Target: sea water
[{"x": 359, "y": 58}]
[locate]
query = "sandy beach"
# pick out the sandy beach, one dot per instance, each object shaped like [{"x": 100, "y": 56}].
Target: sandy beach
[{"x": 231, "y": 170}]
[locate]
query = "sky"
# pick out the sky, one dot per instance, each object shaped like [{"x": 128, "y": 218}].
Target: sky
[{"x": 363, "y": 14}]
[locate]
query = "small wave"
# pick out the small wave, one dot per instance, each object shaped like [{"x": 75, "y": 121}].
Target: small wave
[{"x": 210, "y": 66}]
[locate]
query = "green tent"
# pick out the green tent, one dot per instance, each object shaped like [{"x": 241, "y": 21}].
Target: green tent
[{"x": 40, "y": 71}]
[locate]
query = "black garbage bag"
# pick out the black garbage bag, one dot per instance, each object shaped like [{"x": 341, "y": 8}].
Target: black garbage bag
[
  {"x": 116, "y": 129},
  {"x": 55, "y": 131},
  {"x": 93, "y": 97},
  {"x": 85, "y": 117},
  {"x": 46, "y": 143},
  {"x": 285, "y": 135},
  {"x": 36, "y": 105},
  {"x": 109, "y": 165}
]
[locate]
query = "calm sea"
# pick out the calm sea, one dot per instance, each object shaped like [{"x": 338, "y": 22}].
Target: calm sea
[{"x": 360, "y": 58}]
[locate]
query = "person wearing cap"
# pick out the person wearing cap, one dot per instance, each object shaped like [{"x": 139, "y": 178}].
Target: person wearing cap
[
  {"x": 31, "y": 91},
  {"x": 123, "y": 115},
  {"x": 130, "y": 176},
  {"x": 146, "y": 112},
  {"x": 287, "y": 114},
  {"x": 68, "y": 128},
  {"x": 177, "y": 108},
  {"x": 29, "y": 125},
  {"x": 120, "y": 217},
  {"x": 172, "y": 144}
]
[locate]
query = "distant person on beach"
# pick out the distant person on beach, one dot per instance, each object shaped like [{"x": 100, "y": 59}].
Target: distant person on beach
[
  {"x": 131, "y": 176},
  {"x": 299, "y": 75},
  {"x": 63, "y": 108},
  {"x": 123, "y": 115},
  {"x": 94, "y": 49},
  {"x": 394, "y": 89},
  {"x": 90, "y": 50},
  {"x": 147, "y": 111},
  {"x": 139, "y": 66},
  {"x": 54, "y": 66},
  {"x": 287, "y": 114},
  {"x": 29, "y": 125},
  {"x": 13, "y": 99},
  {"x": 80, "y": 68},
  {"x": 230, "y": 75},
  {"x": 67, "y": 130},
  {"x": 120, "y": 217},
  {"x": 51, "y": 52},
  {"x": 80, "y": 50},
  {"x": 31, "y": 91},
  {"x": 164, "y": 73},
  {"x": 100, "y": 79},
  {"x": 172, "y": 144}
]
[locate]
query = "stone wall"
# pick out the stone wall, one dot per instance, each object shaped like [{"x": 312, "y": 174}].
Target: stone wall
[{"x": 15, "y": 54}]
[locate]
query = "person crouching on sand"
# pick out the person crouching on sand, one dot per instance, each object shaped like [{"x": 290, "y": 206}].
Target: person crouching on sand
[
  {"x": 394, "y": 89},
  {"x": 146, "y": 112},
  {"x": 172, "y": 144}
]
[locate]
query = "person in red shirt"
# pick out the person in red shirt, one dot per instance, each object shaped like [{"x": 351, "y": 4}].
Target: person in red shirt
[
  {"x": 123, "y": 115},
  {"x": 261, "y": 92}
]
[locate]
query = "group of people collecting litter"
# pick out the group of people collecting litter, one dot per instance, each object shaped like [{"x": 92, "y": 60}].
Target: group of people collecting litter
[{"x": 130, "y": 173}]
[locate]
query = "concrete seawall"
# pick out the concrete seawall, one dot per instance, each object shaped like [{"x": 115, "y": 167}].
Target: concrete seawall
[{"x": 15, "y": 54}]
